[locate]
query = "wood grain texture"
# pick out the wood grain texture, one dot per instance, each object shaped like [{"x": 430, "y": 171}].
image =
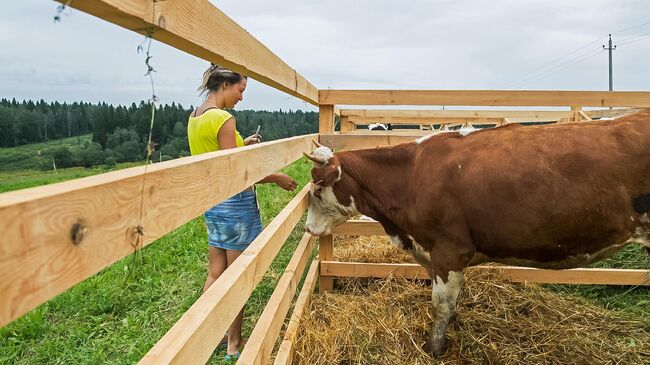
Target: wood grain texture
[
  {"x": 286, "y": 350},
  {"x": 360, "y": 228},
  {"x": 38, "y": 259},
  {"x": 267, "y": 328},
  {"x": 201, "y": 29},
  {"x": 356, "y": 141},
  {"x": 484, "y": 98},
  {"x": 390, "y": 113},
  {"x": 512, "y": 273},
  {"x": 195, "y": 336},
  {"x": 326, "y": 119},
  {"x": 325, "y": 253},
  {"x": 426, "y": 120}
]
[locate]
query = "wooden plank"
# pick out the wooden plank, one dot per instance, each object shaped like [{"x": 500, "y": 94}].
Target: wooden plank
[
  {"x": 195, "y": 336},
  {"x": 325, "y": 252},
  {"x": 346, "y": 125},
  {"x": 359, "y": 228},
  {"x": 326, "y": 119},
  {"x": 575, "y": 113},
  {"x": 371, "y": 270},
  {"x": 584, "y": 116},
  {"x": 610, "y": 113},
  {"x": 573, "y": 276},
  {"x": 415, "y": 133},
  {"x": 261, "y": 341},
  {"x": 202, "y": 30},
  {"x": 484, "y": 98},
  {"x": 512, "y": 273},
  {"x": 285, "y": 353},
  {"x": 388, "y": 113},
  {"x": 424, "y": 120},
  {"x": 38, "y": 259},
  {"x": 368, "y": 140}
]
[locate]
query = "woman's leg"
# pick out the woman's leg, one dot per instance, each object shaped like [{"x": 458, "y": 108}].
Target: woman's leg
[
  {"x": 217, "y": 264},
  {"x": 235, "y": 340}
]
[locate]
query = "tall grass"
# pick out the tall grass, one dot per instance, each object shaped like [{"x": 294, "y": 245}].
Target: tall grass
[{"x": 117, "y": 315}]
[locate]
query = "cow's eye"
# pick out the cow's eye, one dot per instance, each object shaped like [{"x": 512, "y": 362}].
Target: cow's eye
[{"x": 317, "y": 191}]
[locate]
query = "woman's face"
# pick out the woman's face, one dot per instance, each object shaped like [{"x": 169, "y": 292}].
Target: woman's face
[{"x": 234, "y": 93}]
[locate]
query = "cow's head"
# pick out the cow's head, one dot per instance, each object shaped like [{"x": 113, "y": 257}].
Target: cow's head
[{"x": 325, "y": 209}]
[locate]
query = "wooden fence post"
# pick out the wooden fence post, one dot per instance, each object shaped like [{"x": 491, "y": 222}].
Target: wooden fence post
[
  {"x": 325, "y": 253},
  {"x": 325, "y": 243}
]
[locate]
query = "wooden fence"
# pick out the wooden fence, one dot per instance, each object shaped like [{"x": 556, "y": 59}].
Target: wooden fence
[{"x": 58, "y": 235}]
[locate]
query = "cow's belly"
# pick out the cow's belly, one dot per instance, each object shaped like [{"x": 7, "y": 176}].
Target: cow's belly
[{"x": 567, "y": 262}]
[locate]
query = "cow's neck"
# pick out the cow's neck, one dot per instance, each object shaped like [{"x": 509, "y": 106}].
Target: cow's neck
[{"x": 377, "y": 179}]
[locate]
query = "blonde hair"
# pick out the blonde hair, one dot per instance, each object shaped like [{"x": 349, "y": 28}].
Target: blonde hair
[{"x": 216, "y": 76}]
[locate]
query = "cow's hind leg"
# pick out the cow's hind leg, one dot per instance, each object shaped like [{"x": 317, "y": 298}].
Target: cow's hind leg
[{"x": 446, "y": 287}]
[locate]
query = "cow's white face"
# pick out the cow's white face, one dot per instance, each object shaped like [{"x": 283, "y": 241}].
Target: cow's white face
[{"x": 325, "y": 210}]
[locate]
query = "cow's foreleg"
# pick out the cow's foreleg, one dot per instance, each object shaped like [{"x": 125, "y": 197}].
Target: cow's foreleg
[{"x": 446, "y": 287}]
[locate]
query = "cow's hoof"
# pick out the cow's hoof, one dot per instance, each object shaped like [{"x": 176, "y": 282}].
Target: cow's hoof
[{"x": 435, "y": 349}]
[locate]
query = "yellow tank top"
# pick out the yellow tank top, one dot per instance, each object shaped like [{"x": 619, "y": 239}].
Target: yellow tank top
[{"x": 202, "y": 131}]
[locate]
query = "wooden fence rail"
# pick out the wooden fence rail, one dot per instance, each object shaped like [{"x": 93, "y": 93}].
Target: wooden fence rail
[
  {"x": 267, "y": 329},
  {"x": 512, "y": 273},
  {"x": 195, "y": 336},
  {"x": 398, "y": 113},
  {"x": 58, "y": 235},
  {"x": 485, "y": 98},
  {"x": 200, "y": 29}
]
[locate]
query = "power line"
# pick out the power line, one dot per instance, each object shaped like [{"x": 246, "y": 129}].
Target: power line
[
  {"x": 632, "y": 27},
  {"x": 634, "y": 39},
  {"x": 554, "y": 68},
  {"x": 536, "y": 73},
  {"x": 562, "y": 67},
  {"x": 552, "y": 64}
]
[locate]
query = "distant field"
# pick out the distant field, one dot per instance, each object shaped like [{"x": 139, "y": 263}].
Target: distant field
[
  {"x": 27, "y": 157},
  {"x": 14, "y": 180}
]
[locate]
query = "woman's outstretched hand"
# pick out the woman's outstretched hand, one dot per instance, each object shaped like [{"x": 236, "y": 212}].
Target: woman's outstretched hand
[{"x": 285, "y": 182}]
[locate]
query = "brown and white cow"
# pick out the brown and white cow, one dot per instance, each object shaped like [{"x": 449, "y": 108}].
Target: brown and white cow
[{"x": 553, "y": 196}]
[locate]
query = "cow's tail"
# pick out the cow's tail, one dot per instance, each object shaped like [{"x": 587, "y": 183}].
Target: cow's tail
[{"x": 642, "y": 207}]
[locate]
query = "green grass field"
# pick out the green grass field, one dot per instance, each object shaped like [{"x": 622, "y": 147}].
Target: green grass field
[
  {"x": 15, "y": 180},
  {"x": 28, "y": 157},
  {"x": 117, "y": 315}
]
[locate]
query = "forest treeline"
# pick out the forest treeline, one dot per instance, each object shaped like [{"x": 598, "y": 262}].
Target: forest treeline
[{"x": 119, "y": 133}]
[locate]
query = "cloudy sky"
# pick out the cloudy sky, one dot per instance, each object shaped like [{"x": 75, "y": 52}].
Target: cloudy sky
[{"x": 362, "y": 44}]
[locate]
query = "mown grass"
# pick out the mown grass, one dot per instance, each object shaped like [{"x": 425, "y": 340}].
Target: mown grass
[
  {"x": 29, "y": 157},
  {"x": 15, "y": 180},
  {"x": 117, "y": 315}
]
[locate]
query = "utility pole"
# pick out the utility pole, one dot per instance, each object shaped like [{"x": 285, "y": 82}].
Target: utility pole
[{"x": 610, "y": 49}]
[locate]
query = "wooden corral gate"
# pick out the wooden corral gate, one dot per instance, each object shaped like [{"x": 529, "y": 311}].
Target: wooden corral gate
[{"x": 55, "y": 236}]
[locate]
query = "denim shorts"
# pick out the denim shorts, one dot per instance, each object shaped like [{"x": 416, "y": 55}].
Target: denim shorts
[{"x": 235, "y": 222}]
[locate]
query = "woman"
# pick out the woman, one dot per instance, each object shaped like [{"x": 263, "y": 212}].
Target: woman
[{"x": 234, "y": 223}]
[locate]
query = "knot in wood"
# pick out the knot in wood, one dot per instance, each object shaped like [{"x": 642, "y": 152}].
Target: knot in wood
[
  {"x": 78, "y": 232},
  {"x": 134, "y": 235}
]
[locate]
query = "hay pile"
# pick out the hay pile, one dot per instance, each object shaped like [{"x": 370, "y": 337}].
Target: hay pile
[
  {"x": 386, "y": 322},
  {"x": 368, "y": 249}
]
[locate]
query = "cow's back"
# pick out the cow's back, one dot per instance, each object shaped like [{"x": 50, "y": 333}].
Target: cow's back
[{"x": 542, "y": 193}]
